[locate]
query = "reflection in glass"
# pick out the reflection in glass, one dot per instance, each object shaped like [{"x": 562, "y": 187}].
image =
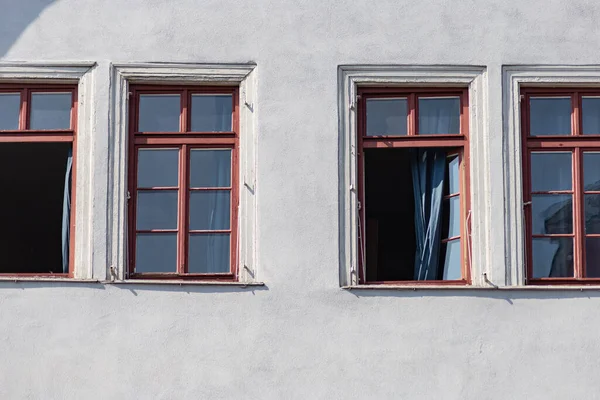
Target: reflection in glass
[
  {"x": 159, "y": 113},
  {"x": 387, "y": 117},
  {"x": 10, "y": 104},
  {"x": 453, "y": 176},
  {"x": 210, "y": 210},
  {"x": 550, "y": 116},
  {"x": 209, "y": 253},
  {"x": 439, "y": 115},
  {"x": 454, "y": 219},
  {"x": 552, "y": 214},
  {"x": 158, "y": 168},
  {"x": 156, "y": 252},
  {"x": 592, "y": 213},
  {"x": 50, "y": 111},
  {"x": 211, "y": 113},
  {"x": 590, "y": 110},
  {"x": 552, "y": 257},
  {"x": 592, "y": 257},
  {"x": 550, "y": 171},
  {"x": 591, "y": 171},
  {"x": 210, "y": 168},
  {"x": 157, "y": 210},
  {"x": 452, "y": 260}
]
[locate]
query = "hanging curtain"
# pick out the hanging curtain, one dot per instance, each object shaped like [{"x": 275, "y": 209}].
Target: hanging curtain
[
  {"x": 218, "y": 244},
  {"x": 428, "y": 170},
  {"x": 223, "y": 117},
  {"x": 66, "y": 217}
]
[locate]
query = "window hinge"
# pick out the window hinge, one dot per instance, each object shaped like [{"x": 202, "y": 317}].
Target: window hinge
[
  {"x": 521, "y": 98},
  {"x": 128, "y": 195},
  {"x": 359, "y": 205}
]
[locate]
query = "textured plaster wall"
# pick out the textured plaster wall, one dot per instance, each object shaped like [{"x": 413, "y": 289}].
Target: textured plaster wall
[{"x": 300, "y": 336}]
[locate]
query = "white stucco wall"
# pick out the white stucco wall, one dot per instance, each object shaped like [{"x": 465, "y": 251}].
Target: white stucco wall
[{"x": 300, "y": 336}]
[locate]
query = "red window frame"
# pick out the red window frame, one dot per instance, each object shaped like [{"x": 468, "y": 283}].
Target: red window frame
[
  {"x": 185, "y": 140},
  {"x": 413, "y": 139},
  {"x": 576, "y": 143},
  {"x": 26, "y": 135}
]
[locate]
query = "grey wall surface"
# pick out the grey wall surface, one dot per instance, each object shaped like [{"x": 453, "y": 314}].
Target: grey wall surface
[{"x": 300, "y": 336}]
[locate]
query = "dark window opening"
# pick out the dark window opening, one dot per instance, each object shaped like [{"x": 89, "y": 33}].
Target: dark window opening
[
  {"x": 391, "y": 239},
  {"x": 31, "y": 206}
]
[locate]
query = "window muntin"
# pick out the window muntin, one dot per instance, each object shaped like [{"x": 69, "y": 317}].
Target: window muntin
[
  {"x": 185, "y": 185},
  {"x": 445, "y": 115},
  {"x": 38, "y": 142},
  {"x": 561, "y": 184}
]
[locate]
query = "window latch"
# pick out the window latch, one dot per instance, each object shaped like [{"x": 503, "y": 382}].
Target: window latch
[{"x": 128, "y": 195}]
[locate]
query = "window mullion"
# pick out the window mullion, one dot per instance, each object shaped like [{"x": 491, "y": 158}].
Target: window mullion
[
  {"x": 578, "y": 209},
  {"x": 184, "y": 116},
  {"x": 575, "y": 114},
  {"x": 23, "y": 110},
  {"x": 183, "y": 210},
  {"x": 412, "y": 114}
]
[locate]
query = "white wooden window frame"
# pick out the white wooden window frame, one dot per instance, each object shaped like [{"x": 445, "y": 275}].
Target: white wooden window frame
[
  {"x": 349, "y": 79},
  {"x": 82, "y": 74},
  {"x": 513, "y": 78},
  {"x": 125, "y": 74}
]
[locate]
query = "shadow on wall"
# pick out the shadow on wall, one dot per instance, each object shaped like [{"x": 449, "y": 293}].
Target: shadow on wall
[{"x": 15, "y": 17}]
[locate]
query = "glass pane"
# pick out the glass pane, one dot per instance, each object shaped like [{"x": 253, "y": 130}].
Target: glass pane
[
  {"x": 592, "y": 213},
  {"x": 453, "y": 176},
  {"x": 159, "y": 113},
  {"x": 210, "y": 168},
  {"x": 550, "y": 171},
  {"x": 552, "y": 257},
  {"x": 158, "y": 168},
  {"x": 156, "y": 252},
  {"x": 157, "y": 210},
  {"x": 552, "y": 214},
  {"x": 50, "y": 111},
  {"x": 592, "y": 257},
  {"x": 10, "y": 104},
  {"x": 209, "y": 253},
  {"x": 453, "y": 205},
  {"x": 452, "y": 260},
  {"x": 439, "y": 115},
  {"x": 212, "y": 113},
  {"x": 387, "y": 117},
  {"x": 590, "y": 110},
  {"x": 591, "y": 171},
  {"x": 210, "y": 210},
  {"x": 550, "y": 116}
]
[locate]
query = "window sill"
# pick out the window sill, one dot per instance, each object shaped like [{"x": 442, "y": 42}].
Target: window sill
[
  {"x": 45, "y": 279},
  {"x": 182, "y": 282},
  {"x": 478, "y": 288},
  {"x": 26, "y": 279}
]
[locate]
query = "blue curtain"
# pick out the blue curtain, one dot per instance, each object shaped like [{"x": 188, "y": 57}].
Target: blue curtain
[
  {"x": 428, "y": 170},
  {"x": 66, "y": 217}
]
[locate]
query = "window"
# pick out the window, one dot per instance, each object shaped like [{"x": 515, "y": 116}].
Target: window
[
  {"x": 183, "y": 182},
  {"x": 413, "y": 185},
  {"x": 561, "y": 184},
  {"x": 37, "y": 142}
]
